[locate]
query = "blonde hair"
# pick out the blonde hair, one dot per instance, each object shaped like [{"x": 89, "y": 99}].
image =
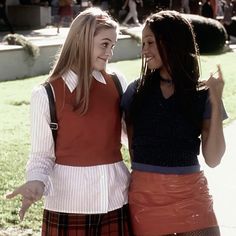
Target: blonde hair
[{"x": 76, "y": 52}]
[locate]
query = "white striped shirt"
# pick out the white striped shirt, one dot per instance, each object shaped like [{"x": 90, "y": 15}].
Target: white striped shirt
[{"x": 85, "y": 190}]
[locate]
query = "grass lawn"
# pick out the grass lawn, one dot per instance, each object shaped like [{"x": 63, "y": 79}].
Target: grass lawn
[{"x": 14, "y": 132}]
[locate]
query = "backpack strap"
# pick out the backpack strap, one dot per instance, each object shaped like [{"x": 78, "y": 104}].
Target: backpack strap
[
  {"x": 52, "y": 109},
  {"x": 117, "y": 83},
  {"x": 52, "y": 106}
]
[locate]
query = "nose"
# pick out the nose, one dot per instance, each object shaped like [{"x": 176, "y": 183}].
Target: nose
[
  {"x": 109, "y": 52},
  {"x": 144, "y": 50}
]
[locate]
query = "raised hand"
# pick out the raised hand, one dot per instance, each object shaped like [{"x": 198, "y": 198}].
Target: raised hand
[
  {"x": 31, "y": 192},
  {"x": 216, "y": 85}
]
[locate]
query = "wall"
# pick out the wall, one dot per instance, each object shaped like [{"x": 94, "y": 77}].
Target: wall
[{"x": 15, "y": 62}]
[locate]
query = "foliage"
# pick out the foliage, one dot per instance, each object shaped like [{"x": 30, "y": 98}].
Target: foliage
[
  {"x": 18, "y": 39},
  {"x": 14, "y": 146},
  {"x": 210, "y": 33}
]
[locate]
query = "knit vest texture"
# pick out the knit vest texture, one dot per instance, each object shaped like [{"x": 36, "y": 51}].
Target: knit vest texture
[
  {"x": 162, "y": 135},
  {"x": 93, "y": 138}
]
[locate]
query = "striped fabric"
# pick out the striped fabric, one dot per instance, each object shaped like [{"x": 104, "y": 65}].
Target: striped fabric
[
  {"x": 114, "y": 223},
  {"x": 97, "y": 189}
]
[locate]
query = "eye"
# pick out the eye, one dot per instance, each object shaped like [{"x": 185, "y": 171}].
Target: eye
[
  {"x": 147, "y": 43},
  {"x": 105, "y": 45}
]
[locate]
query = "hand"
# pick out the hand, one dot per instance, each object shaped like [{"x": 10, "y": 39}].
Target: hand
[
  {"x": 216, "y": 86},
  {"x": 31, "y": 192}
]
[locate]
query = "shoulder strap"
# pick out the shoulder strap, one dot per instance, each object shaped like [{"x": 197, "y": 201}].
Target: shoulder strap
[
  {"x": 117, "y": 83},
  {"x": 52, "y": 106},
  {"x": 52, "y": 109}
]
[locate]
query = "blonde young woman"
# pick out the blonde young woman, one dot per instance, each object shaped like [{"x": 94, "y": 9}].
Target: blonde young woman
[{"x": 84, "y": 181}]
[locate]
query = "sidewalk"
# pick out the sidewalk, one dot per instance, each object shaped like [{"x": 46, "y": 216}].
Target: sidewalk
[{"x": 222, "y": 184}]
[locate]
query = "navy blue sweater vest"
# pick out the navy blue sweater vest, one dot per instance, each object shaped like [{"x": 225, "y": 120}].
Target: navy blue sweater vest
[{"x": 162, "y": 134}]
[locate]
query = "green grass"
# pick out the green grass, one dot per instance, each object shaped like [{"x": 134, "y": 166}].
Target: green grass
[{"x": 14, "y": 131}]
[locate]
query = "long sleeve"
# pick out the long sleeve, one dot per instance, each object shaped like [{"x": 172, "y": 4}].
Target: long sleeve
[{"x": 41, "y": 157}]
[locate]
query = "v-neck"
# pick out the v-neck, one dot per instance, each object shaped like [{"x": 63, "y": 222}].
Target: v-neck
[
  {"x": 162, "y": 95},
  {"x": 157, "y": 84}
]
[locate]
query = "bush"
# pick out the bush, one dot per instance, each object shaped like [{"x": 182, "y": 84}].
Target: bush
[
  {"x": 18, "y": 39},
  {"x": 210, "y": 34}
]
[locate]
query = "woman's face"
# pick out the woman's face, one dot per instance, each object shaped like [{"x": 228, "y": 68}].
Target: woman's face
[
  {"x": 150, "y": 50},
  {"x": 104, "y": 42}
]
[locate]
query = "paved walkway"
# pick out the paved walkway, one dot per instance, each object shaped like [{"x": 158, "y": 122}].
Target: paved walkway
[{"x": 222, "y": 184}]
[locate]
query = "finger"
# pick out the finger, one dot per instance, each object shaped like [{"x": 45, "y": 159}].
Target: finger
[
  {"x": 211, "y": 76},
  {"x": 26, "y": 203},
  {"x": 220, "y": 72},
  {"x": 14, "y": 193}
]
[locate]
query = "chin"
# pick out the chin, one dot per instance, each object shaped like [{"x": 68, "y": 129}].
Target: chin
[{"x": 100, "y": 67}]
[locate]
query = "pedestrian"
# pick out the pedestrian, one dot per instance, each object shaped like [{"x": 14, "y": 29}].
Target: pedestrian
[
  {"x": 4, "y": 17},
  {"x": 132, "y": 12},
  {"x": 207, "y": 10},
  {"x": 85, "y": 181},
  {"x": 168, "y": 116},
  {"x": 185, "y": 6},
  {"x": 65, "y": 11},
  {"x": 227, "y": 19}
]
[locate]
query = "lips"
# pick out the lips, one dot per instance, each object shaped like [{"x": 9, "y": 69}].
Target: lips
[{"x": 103, "y": 59}]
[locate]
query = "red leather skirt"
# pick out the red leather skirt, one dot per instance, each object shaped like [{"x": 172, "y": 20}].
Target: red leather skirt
[{"x": 165, "y": 204}]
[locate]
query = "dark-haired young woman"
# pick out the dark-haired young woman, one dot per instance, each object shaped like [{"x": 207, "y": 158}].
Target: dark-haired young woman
[{"x": 168, "y": 116}]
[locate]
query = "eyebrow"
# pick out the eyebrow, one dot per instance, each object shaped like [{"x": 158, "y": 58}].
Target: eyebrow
[
  {"x": 107, "y": 39},
  {"x": 149, "y": 35}
]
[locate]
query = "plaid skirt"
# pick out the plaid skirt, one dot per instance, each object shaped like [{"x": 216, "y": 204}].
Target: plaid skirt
[{"x": 113, "y": 223}]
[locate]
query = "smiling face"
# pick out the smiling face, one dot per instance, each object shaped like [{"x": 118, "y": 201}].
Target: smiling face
[
  {"x": 150, "y": 50},
  {"x": 104, "y": 42}
]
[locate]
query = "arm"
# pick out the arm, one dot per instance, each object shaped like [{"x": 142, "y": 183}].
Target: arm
[
  {"x": 125, "y": 4},
  {"x": 130, "y": 137},
  {"x": 126, "y": 106},
  {"x": 42, "y": 156},
  {"x": 213, "y": 142}
]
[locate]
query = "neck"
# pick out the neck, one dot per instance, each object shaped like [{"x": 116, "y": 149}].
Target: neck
[
  {"x": 164, "y": 76},
  {"x": 168, "y": 81}
]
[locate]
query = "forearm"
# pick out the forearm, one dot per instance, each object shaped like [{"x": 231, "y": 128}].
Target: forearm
[
  {"x": 42, "y": 156},
  {"x": 213, "y": 146},
  {"x": 130, "y": 137}
]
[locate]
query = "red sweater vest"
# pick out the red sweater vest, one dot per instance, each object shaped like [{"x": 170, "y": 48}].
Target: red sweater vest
[{"x": 91, "y": 139}]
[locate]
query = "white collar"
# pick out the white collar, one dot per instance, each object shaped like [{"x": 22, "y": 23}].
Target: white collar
[{"x": 71, "y": 79}]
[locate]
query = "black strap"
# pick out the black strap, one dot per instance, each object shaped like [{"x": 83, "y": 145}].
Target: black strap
[
  {"x": 52, "y": 109},
  {"x": 52, "y": 106},
  {"x": 117, "y": 84}
]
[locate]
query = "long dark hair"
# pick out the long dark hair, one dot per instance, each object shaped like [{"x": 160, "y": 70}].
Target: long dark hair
[{"x": 178, "y": 50}]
